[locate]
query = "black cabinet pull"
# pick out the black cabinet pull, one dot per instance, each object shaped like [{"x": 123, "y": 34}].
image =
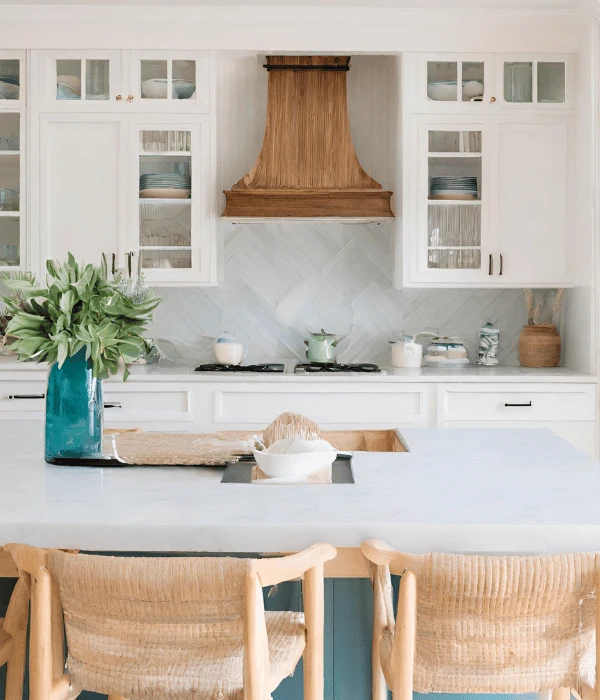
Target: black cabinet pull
[
  {"x": 522, "y": 405},
  {"x": 491, "y": 266},
  {"x": 501, "y": 263},
  {"x": 113, "y": 267},
  {"x": 112, "y": 405},
  {"x": 14, "y": 397}
]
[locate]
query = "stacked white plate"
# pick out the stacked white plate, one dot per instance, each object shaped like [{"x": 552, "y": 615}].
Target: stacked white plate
[
  {"x": 165, "y": 185},
  {"x": 453, "y": 187}
]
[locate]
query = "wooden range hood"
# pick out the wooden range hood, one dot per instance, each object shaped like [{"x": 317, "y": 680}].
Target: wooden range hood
[{"x": 307, "y": 166}]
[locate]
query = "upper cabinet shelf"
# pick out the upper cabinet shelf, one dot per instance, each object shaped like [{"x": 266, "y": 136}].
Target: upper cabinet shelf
[
  {"x": 131, "y": 81},
  {"x": 487, "y": 83}
]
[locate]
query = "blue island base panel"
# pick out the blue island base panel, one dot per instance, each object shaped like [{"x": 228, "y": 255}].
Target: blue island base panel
[{"x": 348, "y": 617}]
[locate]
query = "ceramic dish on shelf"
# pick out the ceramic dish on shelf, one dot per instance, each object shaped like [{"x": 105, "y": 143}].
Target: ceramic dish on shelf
[
  {"x": 9, "y": 200},
  {"x": 164, "y": 193},
  {"x": 9, "y": 88},
  {"x": 446, "y": 90},
  {"x": 68, "y": 87},
  {"x": 156, "y": 89}
]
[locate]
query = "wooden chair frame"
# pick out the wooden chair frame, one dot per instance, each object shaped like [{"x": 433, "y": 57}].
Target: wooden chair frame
[
  {"x": 48, "y": 680},
  {"x": 13, "y": 649},
  {"x": 383, "y": 560}
]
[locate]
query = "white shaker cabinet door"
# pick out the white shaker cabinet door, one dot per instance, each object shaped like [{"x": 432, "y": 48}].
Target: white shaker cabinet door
[
  {"x": 83, "y": 186},
  {"x": 531, "y": 177}
]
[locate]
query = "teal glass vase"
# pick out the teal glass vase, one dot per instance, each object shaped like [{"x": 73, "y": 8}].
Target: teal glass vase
[{"x": 74, "y": 410}]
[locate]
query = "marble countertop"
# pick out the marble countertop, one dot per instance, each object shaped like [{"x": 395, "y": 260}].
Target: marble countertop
[
  {"x": 455, "y": 490},
  {"x": 173, "y": 372}
]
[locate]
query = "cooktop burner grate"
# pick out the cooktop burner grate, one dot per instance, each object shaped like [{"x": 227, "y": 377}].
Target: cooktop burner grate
[
  {"x": 266, "y": 368},
  {"x": 313, "y": 367}
]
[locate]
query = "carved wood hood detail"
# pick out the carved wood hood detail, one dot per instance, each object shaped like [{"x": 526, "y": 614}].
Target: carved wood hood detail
[{"x": 307, "y": 166}]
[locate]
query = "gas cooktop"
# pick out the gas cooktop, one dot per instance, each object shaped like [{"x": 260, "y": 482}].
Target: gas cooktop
[
  {"x": 266, "y": 368},
  {"x": 334, "y": 367}
]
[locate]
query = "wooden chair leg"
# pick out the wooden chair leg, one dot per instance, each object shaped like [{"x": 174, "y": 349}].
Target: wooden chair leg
[
  {"x": 561, "y": 694},
  {"x": 403, "y": 652},
  {"x": 314, "y": 605},
  {"x": 15, "y": 669}
]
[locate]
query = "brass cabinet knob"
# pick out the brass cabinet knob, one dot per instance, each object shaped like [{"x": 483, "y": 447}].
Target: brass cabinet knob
[
  {"x": 493, "y": 99},
  {"x": 118, "y": 98},
  {"x": 130, "y": 98}
]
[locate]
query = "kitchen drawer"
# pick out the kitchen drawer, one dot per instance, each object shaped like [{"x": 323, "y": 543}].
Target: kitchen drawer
[
  {"x": 22, "y": 399},
  {"x": 154, "y": 402},
  {"x": 328, "y": 404},
  {"x": 521, "y": 402}
]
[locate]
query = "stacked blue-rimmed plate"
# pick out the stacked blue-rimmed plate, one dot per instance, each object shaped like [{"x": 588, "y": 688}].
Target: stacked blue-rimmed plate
[
  {"x": 165, "y": 185},
  {"x": 453, "y": 187}
]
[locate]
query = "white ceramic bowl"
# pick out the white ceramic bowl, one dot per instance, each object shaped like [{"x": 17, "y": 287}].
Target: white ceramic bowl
[
  {"x": 297, "y": 465},
  {"x": 441, "y": 91}
]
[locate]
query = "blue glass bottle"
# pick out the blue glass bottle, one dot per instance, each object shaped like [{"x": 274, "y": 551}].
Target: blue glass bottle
[{"x": 74, "y": 410}]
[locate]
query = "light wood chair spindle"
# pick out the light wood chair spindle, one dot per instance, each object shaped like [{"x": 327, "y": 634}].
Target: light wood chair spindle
[
  {"x": 146, "y": 628},
  {"x": 13, "y": 629},
  {"x": 484, "y": 624}
]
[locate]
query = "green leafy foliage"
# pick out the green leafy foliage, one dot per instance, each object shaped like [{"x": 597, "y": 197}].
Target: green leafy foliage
[{"x": 80, "y": 308}]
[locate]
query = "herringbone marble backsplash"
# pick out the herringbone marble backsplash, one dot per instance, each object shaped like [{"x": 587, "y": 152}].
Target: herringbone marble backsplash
[{"x": 283, "y": 280}]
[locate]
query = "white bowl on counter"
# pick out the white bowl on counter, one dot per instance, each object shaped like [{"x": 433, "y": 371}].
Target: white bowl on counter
[{"x": 295, "y": 464}]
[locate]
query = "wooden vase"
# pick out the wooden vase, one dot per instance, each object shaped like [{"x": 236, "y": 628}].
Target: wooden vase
[{"x": 539, "y": 346}]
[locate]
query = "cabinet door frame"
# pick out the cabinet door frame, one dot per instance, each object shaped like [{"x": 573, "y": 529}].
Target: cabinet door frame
[
  {"x": 416, "y": 214},
  {"x": 117, "y": 101},
  {"x": 43, "y": 214},
  {"x": 417, "y": 67},
  {"x": 529, "y": 122},
  {"x": 200, "y": 104},
  {"x": 203, "y": 183},
  {"x": 534, "y": 107},
  {"x": 22, "y": 214}
]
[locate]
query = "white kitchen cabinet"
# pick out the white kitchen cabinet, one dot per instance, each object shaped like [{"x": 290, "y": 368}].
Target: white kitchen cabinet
[
  {"x": 83, "y": 186},
  {"x": 473, "y": 83},
  {"x": 91, "y": 203},
  {"x": 124, "y": 81},
  {"x": 505, "y": 222},
  {"x": 240, "y": 406},
  {"x": 173, "y": 235},
  {"x": 569, "y": 410}
]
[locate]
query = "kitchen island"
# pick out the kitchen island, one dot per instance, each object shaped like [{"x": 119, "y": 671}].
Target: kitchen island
[{"x": 518, "y": 491}]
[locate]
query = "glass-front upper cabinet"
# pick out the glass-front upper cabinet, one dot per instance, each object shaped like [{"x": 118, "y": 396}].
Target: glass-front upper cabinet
[
  {"x": 12, "y": 186},
  {"x": 172, "y": 190},
  {"x": 525, "y": 81},
  {"x": 454, "y": 82},
  {"x": 76, "y": 80},
  {"x": 12, "y": 79},
  {"x": 170, "y": 80},
  {"x": 453, "y": 202}
]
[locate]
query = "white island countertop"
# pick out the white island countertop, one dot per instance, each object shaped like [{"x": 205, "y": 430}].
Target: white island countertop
[{"x": 456, "y": 490}]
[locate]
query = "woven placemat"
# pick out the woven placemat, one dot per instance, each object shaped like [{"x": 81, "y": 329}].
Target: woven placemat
[{"x": 141, "y": 448}]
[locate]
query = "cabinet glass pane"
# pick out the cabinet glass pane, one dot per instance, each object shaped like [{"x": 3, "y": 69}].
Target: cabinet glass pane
[
  {"x": 165, "y": 224},
  {"x": 454, "y": 259},
  {"x": 518, "y": 82},
  {"x": 455, "y": 141},
  {"x": 97, "y": 80},
  {"x": 10, "y": 241},
  {"x": 166, "y": 259},
  {"x": 68, "y": 79},
  {"x": 550, "y": 82},
  {"x": 165, "y": 177},
  {"x": 454, "y": 225},
  {"x": 9, "y": 182},
  {"x": 454, "y": 178},
  {"x": 441, "y": 81},
  {"x": 184, "y": 80},
  {"x": 154, "y": 78},
  {"x": 10, "y": 79},
  {"x": 472, "y": 81},
  {"x": 10, "y": 133},
  {"x": 159, "y": 141}
]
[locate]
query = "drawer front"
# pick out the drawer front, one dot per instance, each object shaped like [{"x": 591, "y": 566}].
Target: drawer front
[
  {"x": 326, "y": 404},
  {"x": 22, "y": 399},
  {"x": 145, "y": 403},
  {"x": 523, "y": 402}
]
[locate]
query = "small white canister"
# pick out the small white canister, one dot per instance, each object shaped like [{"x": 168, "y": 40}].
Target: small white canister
[
  {"x": 406, "y": 353},
  {"x": 228, "y": 351}
]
